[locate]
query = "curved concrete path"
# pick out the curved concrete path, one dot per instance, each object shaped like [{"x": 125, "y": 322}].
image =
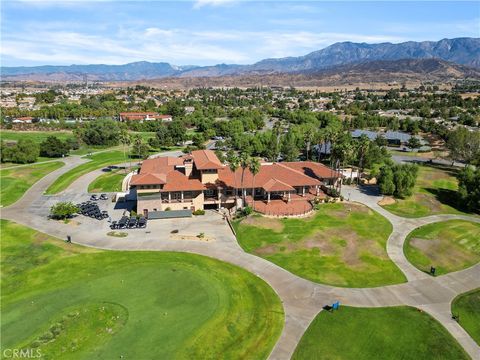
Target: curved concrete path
[{"x": 302, "y": 299}]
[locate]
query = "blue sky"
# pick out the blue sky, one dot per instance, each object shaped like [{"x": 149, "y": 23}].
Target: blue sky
[{"x": 206, "y": 32}]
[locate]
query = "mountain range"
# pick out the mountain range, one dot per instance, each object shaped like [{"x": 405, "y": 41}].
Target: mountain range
[{"x": 463, "y": 54}]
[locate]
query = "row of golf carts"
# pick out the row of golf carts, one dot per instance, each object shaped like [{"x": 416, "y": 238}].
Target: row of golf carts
[
  {"x": 92, "y": 210},
  {"x": 129, "y": 223}
]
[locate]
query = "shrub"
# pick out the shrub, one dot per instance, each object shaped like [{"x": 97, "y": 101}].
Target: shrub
[
  {"x": 53, "y": 147},
  {"x": 168, "y": 209},
  {"x": 199, "y": 212},
  {"x": 63, "y": 210},
  {"x": 247, "y": 210}
]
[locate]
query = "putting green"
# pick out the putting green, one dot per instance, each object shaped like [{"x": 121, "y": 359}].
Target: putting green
[
  {"x": 377, "y": 333},
  {"x": 73, "y": 302},
  {"x": 342, "y": 245},
  {"x": 448, "y": 246}
]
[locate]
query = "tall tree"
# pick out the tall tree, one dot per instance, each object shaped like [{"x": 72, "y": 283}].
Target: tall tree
[
  {"x": 254, "y": 167},
  {"x": 244, "y": 161},
  {"x": 125, "y": 140},
  {"x": 363, "y": 144},
  {"x": 233, "y": 164}
]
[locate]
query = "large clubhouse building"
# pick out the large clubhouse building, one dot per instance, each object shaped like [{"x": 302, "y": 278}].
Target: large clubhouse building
[{"x": 199, "y": 180}]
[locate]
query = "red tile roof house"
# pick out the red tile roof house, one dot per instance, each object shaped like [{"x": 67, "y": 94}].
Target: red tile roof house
[
  {"x": 199, "y": 180},
  {"x": 143, "y": 116}
]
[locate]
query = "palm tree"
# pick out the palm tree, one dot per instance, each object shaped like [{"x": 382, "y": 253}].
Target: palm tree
[
  {"x": 362, "y": 147},
  {"x": 254, "y": 167},
  {"x": 125, "y": 140},
  {"x": 244, "y": 161},
  {"x": 320, "y": 137},
  {"x": 233, "y": 164}
]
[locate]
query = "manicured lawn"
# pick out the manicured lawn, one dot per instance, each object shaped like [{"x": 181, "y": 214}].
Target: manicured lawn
[
  {"x": 109, "y": 182},
  {"x": 97, "y": 161},
  {"x": 80, "y": 303},
  {"x": 467, "y": 307},
  {"x": 342, "y": 245},
  {"x": 14, "y": 182},
  {"x": 377, "y": 333},
  {"x": 448, "y": 246},
  {"x": 435, "y": 193},
  {"x": 37, "y": 136}
]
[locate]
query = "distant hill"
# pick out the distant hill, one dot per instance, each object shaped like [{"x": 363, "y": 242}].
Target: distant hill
[
  {"x": 464, "y": 51},
  {"x": 461, "y": 51},
  {"x": 381, "y": 72}
]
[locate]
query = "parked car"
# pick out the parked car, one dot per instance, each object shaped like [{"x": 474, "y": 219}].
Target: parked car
[
  {"x": 103, "y": 197},
  {"x": 94, "y": 197},
  {"x": 113, "y": 225}
]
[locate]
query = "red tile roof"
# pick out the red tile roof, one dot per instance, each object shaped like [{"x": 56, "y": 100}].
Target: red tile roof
[
  {"x": 206, "y": 159},
  {"x": 176, "y": 181},
  {"x": 313, "y": 169},
  {"x": 267, "y": 172},
  {"x": 276, "y": 185},
  {"x": 148, "y": 179},
  {"x": 271, "y": 177}
]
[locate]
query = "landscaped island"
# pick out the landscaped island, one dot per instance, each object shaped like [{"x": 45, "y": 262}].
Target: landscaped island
[
  {"x": 75, "y": 302},
  {"x": 448, "y": 246},
  {"x": 343, "y": 244}
]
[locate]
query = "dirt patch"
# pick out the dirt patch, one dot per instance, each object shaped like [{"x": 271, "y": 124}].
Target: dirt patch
[
  {"x": 350, "y": 207},
  {"x": 441, "y": 253},
  {"x": 429, "y": 201},
  {"x": 265, "y": 223},
  {"x": 320, "y": 241},
  {"x": 40, "y": 238},
  {"x": 387, "y": 200},
  {"x": 267, "y": 250},
  {"x": 353, "y": 246},
  {"x": 191, "y": 238}
]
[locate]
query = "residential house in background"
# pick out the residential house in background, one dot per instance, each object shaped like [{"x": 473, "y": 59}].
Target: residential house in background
[{"x": 144, "y": 116}]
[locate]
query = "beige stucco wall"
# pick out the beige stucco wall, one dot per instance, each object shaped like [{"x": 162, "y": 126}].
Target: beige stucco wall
[
  {"x": 151, "y": 204},
  {"x": 209, "y": 178}
]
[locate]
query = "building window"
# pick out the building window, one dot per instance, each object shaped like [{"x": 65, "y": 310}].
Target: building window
[{"x": 209, "y": 192}]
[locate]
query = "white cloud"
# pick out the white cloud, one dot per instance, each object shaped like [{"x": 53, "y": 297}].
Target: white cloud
[
  {"x": 200, "y": 3},
  {"x": 54, "y": 45}
]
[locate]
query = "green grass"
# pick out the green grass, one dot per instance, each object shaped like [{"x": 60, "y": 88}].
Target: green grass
[
  {"x": 37, "y": 136},
  {"x": 108, "y": 182},
  {"x": 377, "y": 333},
  {"x": 467, "y": 307},
  {"x": 435, "y": 192},
  {"x": 15, "y": 182},
  {"x": 80, "y": 303},
  {"x": 342, "y": 245},
  {"x": 448, "y": 246},
  {"x": 97, "y": 161}
]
